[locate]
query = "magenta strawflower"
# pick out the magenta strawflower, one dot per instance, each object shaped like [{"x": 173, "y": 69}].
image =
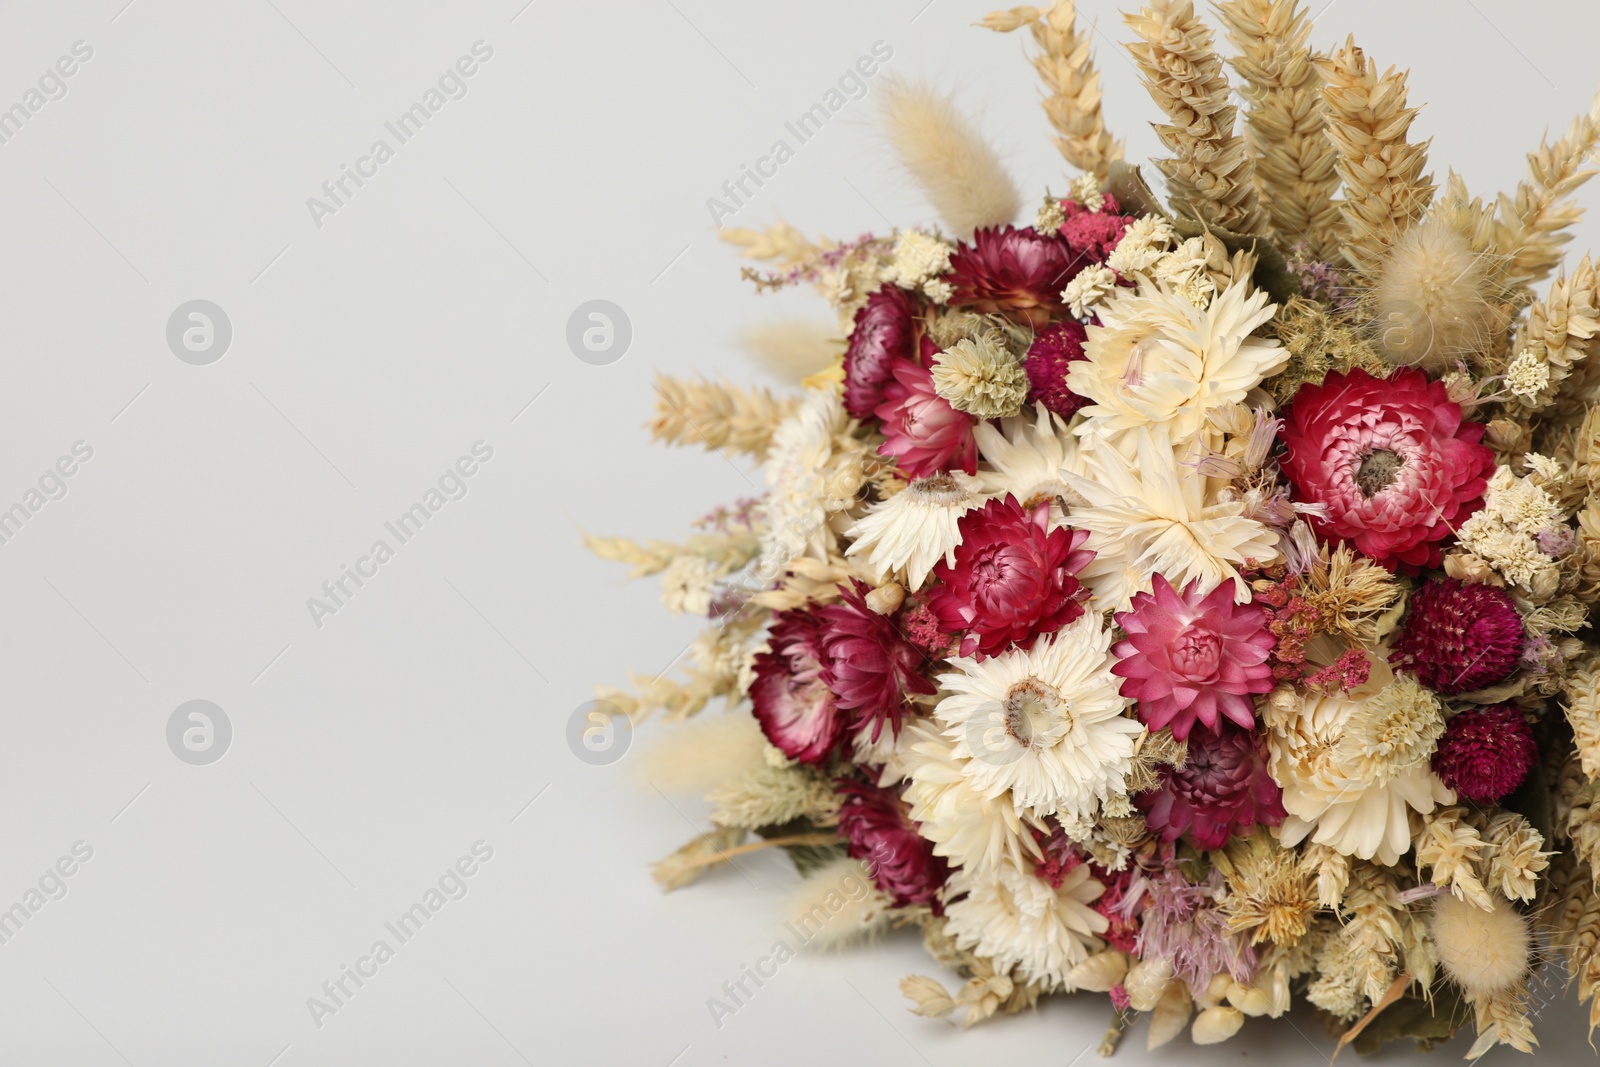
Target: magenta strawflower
[
  {"x": 884, "y": 331},
  {"x": 1222, "y": 788},
  {"x": 881, "y": 834},
  {"x": 1190, "y": 657},
  {"x": 871, "y": 669},
  {"x": 1013, "y": 577},
  {"x": 1052, "y": 351},
  {"x": 1459, "y": 637},
  {"x": 1485, "y": 753},
  {"x": 921, "y": 430},
  {"x": 792, "y": 703}
]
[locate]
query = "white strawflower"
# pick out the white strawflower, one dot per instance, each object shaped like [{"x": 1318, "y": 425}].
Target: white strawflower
[
  {"x": 915, "y": 528},
  {"x": 1021, "y": 921},
  {"x": 1156, "y": 514},
  {"x": 1157, "y": 358},
  {"x": 1025, "y": 457},
  {"x": 1353, "y": 766},
  {"x": 1044, "y": 723},
  {"x": 803, "y": 484},
  {"x": 1089, "y": 289},
  {"x": 972, "y": 831}
]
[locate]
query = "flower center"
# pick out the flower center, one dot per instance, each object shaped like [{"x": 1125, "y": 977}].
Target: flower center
[
  {"x": 1035, "y": 714},
  {"x": 1197, "y": 654},
  {"x": 937, "y": 489},
  {"x": 1378, "y": 471}
]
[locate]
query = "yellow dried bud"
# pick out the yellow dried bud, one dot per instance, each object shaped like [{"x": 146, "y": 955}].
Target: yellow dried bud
[
  {"x": 1146, "y": 981},
  {"x": 886, "y": 599},
  {"x": 1171, "y": 1015}
]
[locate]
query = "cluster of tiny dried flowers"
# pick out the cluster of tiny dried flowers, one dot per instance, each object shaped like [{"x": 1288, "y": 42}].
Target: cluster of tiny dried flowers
[{"x": 1164, "y": 601}]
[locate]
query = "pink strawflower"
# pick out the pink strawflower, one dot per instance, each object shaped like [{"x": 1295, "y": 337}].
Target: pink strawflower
[
  {"x": 1048, "y": 358},
  {"x": 1459, "y": 637},
  {"x": 871, "y": 669},
  {"x": 1190, "y": 657},
  {"x": 1485, "y": 753},
  {"x": 1092, "y": 234},
  {"x": 1115, "y": 904},
  {"x": 882, "y": 835},
  {"x": 1013, "y": 577},
  {"x": 790, "y": 700},
  {"x": 884, "y": 331},
  {"x": 920, "y": 428},
  {"x": 1222, "y": 788},
  {"x": 1390, "y": 463},
  {"x": 1010, "y": 271}
]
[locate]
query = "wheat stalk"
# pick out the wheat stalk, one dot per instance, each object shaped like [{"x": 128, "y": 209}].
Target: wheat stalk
[
  {"x": 716, "y": 415},
  {"x": 1072, "y": 97},
  {"x": 1385, "y": 190},
  {"x": 1210, "y": 176},
  {"x": 1285, "y": 127},
  {"x": 1533, "y": 223},
  {"x": 1558, "y": 331}
]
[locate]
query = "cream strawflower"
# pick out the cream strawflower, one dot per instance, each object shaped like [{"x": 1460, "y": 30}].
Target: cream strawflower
[
  {"x": 972, "y": 831},
  {"x": 1045, "y": 723},
  {"x": 804, "y": 483},
  {"x": 1025, "y": 457},
  {"x": 1021, "y": 921},
  {"x": 1354, "y": 765},
  {"x": 1156, "y": 514},
  {"x": 1157, "y": 358},
  {"x": 915, "y": 528}
]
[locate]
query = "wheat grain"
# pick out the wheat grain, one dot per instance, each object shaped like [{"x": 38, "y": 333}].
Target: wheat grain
[
  {"x": 1285, "y": 126},
  {"x": 1210, "y": 175},
  {"x": 1072, "y": 98},
  {"x": 1384, "y": 187}
]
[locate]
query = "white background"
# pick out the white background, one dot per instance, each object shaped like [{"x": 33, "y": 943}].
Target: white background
[{"x": 368, "y": 354}]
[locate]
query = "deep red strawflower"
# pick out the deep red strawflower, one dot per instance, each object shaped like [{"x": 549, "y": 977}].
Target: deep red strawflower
[
  {"x": 1013, "y": 577},
  {"x": 1485, "y": 753},
  {"x": 920, "y": 428},
  {"x": 881, "y": 834},
  {"x": 1459, "y": 637},
  {"x": 1048, "y": 358},
  {"x": 1223, "y": 787},
  {"x": 1191, "y": 657},
  {"x": 792, "y": 703},
  {"x": 1392, "y": 463},
  {"x": 871, "y": 669},
  {"x": 884, "y": 331},
  {"x": 1092, "y": 234},
  {"x": 1012, "y": 271}
]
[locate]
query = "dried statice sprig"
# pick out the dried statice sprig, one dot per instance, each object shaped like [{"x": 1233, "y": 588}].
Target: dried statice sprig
[
  {"x": 1072, "y": 84},
  {"x": 1285, "y": 126},
  {"x": 1210, "y": 176},
  {"x": 1385, "y": 189}
]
